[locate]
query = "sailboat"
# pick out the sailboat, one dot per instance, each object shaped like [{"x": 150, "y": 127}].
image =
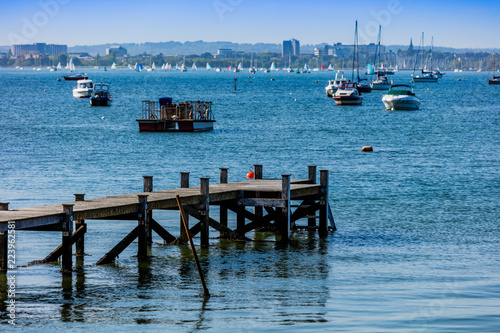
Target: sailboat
[
  {"x": 425, "y": 76},
  {"x": 348, "y": 93},
  {"x": 363, "y": 85},
  {"x": 251, "y": 69},
  {"x": 194, "y": 66},
  {"x": 113, "y": 66},
  {"x": 330, "y": 67},
  {"x": 71, "y": 65},
  {"x": 273, "y": 67},
  {"x": 139, "y": 68},
  {"x": 240, "y": 66},
  {"x": 59, "y": 66},
  {"x": 208, "y": 67},
  {"x": 496, "y": 79},
  {"x": 306, "y": 69}
]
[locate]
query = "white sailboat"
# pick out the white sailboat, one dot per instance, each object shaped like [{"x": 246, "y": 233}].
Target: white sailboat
[
  {"x": 71, "y": 65},
  {"x": 208, "y": 66},
  {"x": 240, "y": 67},
  {"x": 113, "y": 66},
  {"x": 59, "y": 66},
  {"x": 273, "y": 67},
  {"x": 194, "y": 66}
]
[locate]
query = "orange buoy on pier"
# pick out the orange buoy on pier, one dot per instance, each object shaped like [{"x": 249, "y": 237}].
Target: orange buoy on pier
[
  {"x": 251, "y": 175},
  {"x": 367, "y": 148}
]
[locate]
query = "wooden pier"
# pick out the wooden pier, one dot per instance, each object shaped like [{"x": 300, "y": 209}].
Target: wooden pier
[{"x": 278, "y": 205}]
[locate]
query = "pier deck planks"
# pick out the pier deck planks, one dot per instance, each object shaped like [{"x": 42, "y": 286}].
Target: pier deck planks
[{"x": 112, "y": 206}]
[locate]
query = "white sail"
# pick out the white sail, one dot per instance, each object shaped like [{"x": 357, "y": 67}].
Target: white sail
[
  {"x": 135, "y": 67},
  {"x": 208, "y": 66},
  {"x": 240, "y": 66},
  {"x": 113, "y": 66},
  {"x": 194, "y": 66},
  {"x": 59, "y": 66},
  {"x": 153, "y": 66},
  {"x": 71, "y": 65},
  {"x": 273, "y": 67}
]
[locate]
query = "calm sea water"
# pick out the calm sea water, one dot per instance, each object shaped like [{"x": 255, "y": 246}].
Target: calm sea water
[{"x": 417, "y": 246}]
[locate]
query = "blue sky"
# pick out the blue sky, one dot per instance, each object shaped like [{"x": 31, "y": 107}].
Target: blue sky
[{"x": 458, "y": 23}]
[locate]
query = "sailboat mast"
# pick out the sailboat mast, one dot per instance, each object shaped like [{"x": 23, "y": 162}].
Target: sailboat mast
[
  {"x": 432, "y": 43},
  {"x": 355, "y": 51},
  {"x": 379, "y": 38}
]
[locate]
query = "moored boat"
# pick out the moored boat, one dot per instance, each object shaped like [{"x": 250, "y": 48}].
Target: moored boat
[
  {"x": 495, "y": 79},
  {"x": 83, "y": 89},
  {"x": 101, "y": 95},
  {"x": 165, "y": 116},
  {"x": 401, "y": 97},
  {"x": 348, "y": 94},
  {"x": 333, "y": 85},
  {"x": 76, "y": 77},
  {"x": 381, "y": 83}
]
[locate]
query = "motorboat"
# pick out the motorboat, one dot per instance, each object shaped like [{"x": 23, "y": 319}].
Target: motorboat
[
  {"x": 425, "y": 76},
  {"x": 83, "y": 89},
  {"x": 364, "y": 86},
  {"x": 348, "y": 94},
  {"x": 76, "y": 77},
  {"x": 381, "y": 83},
  {"x": 101, "y": 95},
  {"x": 333, "y": 85},
  {"x": 401, "y": 97}
]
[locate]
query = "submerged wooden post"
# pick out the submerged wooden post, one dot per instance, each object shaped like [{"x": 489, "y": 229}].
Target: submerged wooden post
[
  {"x": 67, "y": 231},
  {"x": 143, "y": 222},
  {"x": 311, "y": 221},
  {"x": 184, "y": 184},
  {"x": 285, "y": 211},
  {"x": 323, "y": 213},
  {"x": 4, "y": 241},
  {"x": 223, "y": 209},
  {"x": 80, "y": 243},
  {"x": 257, "y": 168},
  {"x": 206, "y": 293},
  {"x": 205, "y": 211},
  {"x": 148, "y": 187}
]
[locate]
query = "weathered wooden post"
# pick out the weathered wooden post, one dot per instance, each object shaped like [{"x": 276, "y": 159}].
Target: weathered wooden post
[
  {"x": 184, "y": 184},
  {"x": 205, "y": 211},
  {"x": 148, "y": 187},
  {"x": 67, "y": 245},
  {"x": 323, "y": 214},
  {"x": 311, "y": 222},
  {"x": 4, "y": 241},
  {"x": 285, "y": 211},
  {"x": 257, "y": 168},
  {"x": 143, "y": 222},
  {"x": 223, "y": 209},
  {"x": 80, "y": 243}
]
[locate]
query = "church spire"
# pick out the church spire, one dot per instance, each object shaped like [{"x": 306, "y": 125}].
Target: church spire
[{"x": 411, "y": 45}]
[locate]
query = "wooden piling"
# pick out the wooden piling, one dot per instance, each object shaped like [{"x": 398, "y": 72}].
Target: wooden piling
[
  {"x": 285, "y": 211},
  {"x": 142, "y": 250},
  {"x": 4, "y": 242},
  {"x": 257, "y": 168},
  {"x": 311, "y": 221},
  {"x": 80, "y": 243},
  {"x": 323, "y": 213},
  {"x": 184, "y": 184},
  {"x": 67, "y": 231},
  {"x": 223, "y": 208},
  {"x": 148, "y": 187},
  {"x": 205, "y": 211}
]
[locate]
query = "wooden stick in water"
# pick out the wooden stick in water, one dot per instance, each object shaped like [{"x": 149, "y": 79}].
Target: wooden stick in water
[{"x": 206, "y": 294}]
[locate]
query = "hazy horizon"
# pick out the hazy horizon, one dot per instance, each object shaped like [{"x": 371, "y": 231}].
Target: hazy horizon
[{"x": 454, "y": 24}]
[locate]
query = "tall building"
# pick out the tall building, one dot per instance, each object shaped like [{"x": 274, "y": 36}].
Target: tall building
[
  {"x": 118, "y": 50},
  {"x": 291, "y": 48},
  {"x": 40, "y": 48}
]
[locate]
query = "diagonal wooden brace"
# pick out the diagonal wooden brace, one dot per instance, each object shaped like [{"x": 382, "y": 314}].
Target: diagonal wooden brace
[{"x": 54, "y": 255}]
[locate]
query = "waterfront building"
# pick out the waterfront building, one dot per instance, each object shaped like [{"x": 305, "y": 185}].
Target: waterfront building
[
  {"x": 224, "y": 53},
  {"x": 40, "y": 48},
  {"x": 290, "y": 48},
  {"x": 118, "y": 50}
]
